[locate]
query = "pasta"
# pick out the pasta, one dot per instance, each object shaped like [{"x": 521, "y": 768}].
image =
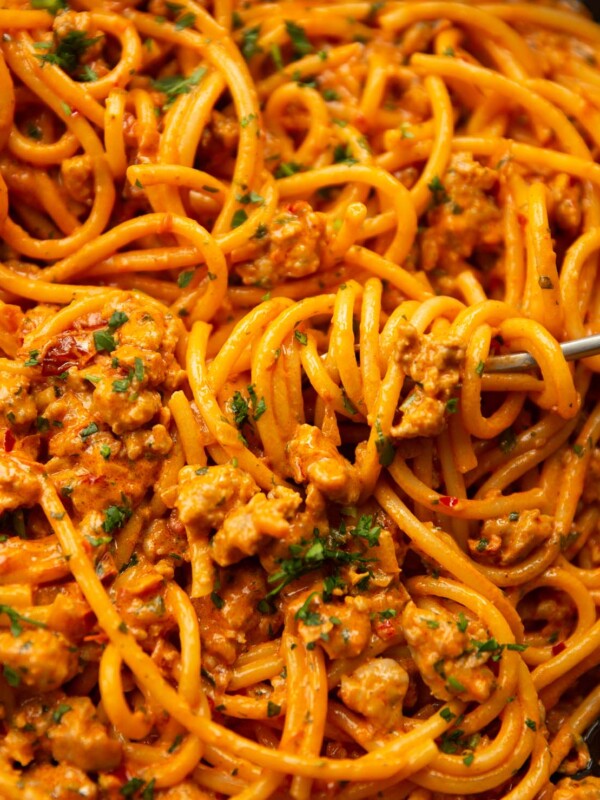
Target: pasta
[{"x": 268, "y": 527}]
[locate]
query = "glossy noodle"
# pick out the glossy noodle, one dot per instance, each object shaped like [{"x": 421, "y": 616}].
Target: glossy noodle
[{"x": 269, "y": 529}]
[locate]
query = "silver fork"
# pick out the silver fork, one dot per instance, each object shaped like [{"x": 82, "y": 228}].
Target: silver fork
[{"x": 523, "y": 362}]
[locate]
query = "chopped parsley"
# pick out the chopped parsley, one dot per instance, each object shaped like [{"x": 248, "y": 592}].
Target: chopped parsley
[
  {"x": 300, "y": 44},
  {"x": 250, "y": 46},
  {"x": 89, "y": 430},
  {"x": 207, "y": 676},
  {"x": 348, "y": 404},
  {"x": 531, "y": 724},
  {"x": 117, "y": 318},
  {"x": 148, "y": 790},
  {"x": 103, "y": 340},
  {"x": 115, "y": 517},
  {"x": 51, "y": 6},
  {"x": 87, "y": 74},
  {"x": 34, "y": 132},
  {"x": 462, "y": 623},
  {"x": 276, "y": 56},
  {"x": 16, "y": 619},
  {"x": 452, "y": 405},
  {"x": 133, "y": 561},
  {"x": 450, "y": 741},
  {"x": 245, "y": 121},
  {"x": 508, "y": 440},
  {"x": 447, "y": 715},
  {"x": 265, "y": 607},
  {"x": 366, "y": 530},
  {"x": 98, "y": 541},
  {"x": 273, "y": 710},
  {"x": 568, "y": 540},
  {"x": 342, "y": 155},
  {"x": 455, "y": 685},
  {"x": 330, "y": 584},
  {"x": 307, "y": 616},
  {"x": 12, "y": 676},
  {"x": 438, "y": 191},
  {"x": 217, "y": 600},
  {"x": 250, "y": 197},
  {"x": 258, "y": 406},
  {"x": 184, "y": 279},
  {"x": 301, "y": 337},
  {"x": 185, "y": 21},
  {"x": 489, "y": 646},
  {"x": 175, "y": 743},
  {"x": 239, "y": 217},
  {"x": 323, "y": 551},
  {"x": 132, "y": 787},
  {"x": 32, "y": 361},
  {"x": 122, "y": 384},
  {"x": 384, "y": 446},
  {"x": 42, "y": 424},
  {"x": 67, "y": 51},
  {"x": 288, "y": 168},
  {"x": 239, "y": 407},
  {"x": 174, "y": 85},
  {"x": 60, "y": 711}
]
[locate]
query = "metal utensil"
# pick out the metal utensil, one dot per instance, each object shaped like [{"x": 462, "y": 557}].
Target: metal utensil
[
  {"x": 523, "y": 362},
  {"x": 592, "y": 738}
]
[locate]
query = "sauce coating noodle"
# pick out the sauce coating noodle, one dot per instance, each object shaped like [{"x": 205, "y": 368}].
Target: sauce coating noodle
[{"x": 268, "y": 527}]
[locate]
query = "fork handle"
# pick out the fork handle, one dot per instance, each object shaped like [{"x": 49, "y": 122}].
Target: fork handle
[{"x": 522, "y": 362}]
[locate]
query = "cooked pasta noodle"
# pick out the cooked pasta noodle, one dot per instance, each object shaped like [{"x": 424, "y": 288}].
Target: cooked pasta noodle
[{"x": 268, "y": 526}]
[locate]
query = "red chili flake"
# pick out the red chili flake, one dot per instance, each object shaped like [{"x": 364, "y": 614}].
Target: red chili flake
[
  {"x": 62, "y": 354},
  {"x": 522, "y": 218},
  {"x": 97, "y": 638},
  {"x": 361, "y": 122},
  {"x": 495, "y": 284},
  {"x": 9, "y": 440},
  {"x": 558, "y": 648},
  {"x": 449, "y": 502},
  {"x": 385, "y": 629}
]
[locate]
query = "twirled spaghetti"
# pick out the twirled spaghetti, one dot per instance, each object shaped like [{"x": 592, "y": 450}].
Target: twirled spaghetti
[{"x": 268, "y": 527}]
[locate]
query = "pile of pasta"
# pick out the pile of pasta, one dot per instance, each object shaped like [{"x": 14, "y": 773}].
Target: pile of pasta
[{"x": 269, "y": 526}]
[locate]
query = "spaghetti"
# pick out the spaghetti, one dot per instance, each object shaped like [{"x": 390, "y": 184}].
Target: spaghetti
[{"x": 268, "y": 527}]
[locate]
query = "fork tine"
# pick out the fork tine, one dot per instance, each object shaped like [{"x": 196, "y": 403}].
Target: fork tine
[{"x": 521, "y": 362}]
